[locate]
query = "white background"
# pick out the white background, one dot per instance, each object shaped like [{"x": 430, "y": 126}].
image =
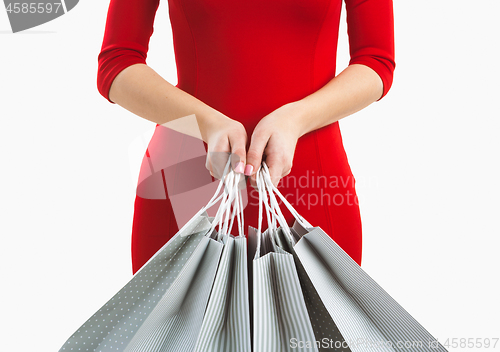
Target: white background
[{"x": 426, "y": 160}]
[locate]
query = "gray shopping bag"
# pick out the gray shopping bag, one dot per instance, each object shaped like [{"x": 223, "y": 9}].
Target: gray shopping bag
[
  {"x": 358, "y": 304},
  {"x": 226, "y": 324},
  {"x": 367, "y": 317},
  {"x": 120, "y": 324},
  {"x": 327, "y": 334},
  {"x": 280, "y": 315}
]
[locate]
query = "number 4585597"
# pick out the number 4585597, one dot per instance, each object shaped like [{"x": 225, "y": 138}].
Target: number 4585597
[
  {"x": 33, "y": 7},
  {"x": 478, "y": 342}
]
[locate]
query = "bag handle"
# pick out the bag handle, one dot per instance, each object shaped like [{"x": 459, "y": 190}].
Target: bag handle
[
  {"x": 273, "y": 211},
  {"x": 260, "y": 189},
  {"x": 263, "y": 205},
  {"x": 276, "y": 208},
  {"x": 215, "y": 198},
  {"x": 300, "y": 219},
  {"x": 237, "y": 207},
  {"x": 270, "y": 214},
  {"x": 227, "y": 210},
  {"x": 226, "y": 178}
]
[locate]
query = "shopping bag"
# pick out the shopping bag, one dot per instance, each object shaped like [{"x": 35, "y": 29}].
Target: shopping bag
[
  {"x": 366, "y": 316},
  {"x": 162, "y": 307},
  {"x": 322, "y": 324},
  {"x": 226, "y": 324},
  {"x": 324, "y": 328},
  {"x": 279, "y": 310}
]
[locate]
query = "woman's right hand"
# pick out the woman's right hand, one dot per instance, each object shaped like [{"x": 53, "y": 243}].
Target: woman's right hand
[{"x": 224, "y": 136}]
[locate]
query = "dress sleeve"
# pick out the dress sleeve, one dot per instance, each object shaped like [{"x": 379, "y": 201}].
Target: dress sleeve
[
  {"x": 129, "y": 26},
  {"x": 370, "y": 27}
]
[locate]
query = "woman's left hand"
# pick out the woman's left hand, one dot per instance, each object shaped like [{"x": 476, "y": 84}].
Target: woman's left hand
[{"x": 274, "y": 139}]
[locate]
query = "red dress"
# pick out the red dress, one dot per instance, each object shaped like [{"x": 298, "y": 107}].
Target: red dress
[{"x": 246, "y": 59}]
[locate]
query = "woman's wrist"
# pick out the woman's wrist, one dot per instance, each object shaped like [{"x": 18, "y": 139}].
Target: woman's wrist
[
  {"x": 208, "y": 122},
  {"x": 296, "y": 119}
]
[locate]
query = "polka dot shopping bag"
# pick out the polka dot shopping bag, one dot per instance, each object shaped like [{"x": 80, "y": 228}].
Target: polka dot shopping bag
[{"x": 168, "y": 303}]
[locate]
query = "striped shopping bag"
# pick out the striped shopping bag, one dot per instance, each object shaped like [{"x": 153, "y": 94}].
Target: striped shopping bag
[
  {"x": 226, "y": 325},
  {"x": 279, "y": 309},
  {"x": 359, "y": 314}
]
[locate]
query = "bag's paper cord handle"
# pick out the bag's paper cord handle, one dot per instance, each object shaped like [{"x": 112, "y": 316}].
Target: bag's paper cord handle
[
  {"x": 273, "y": 212},
  {"x": 263, "y": 204},
  {"x": 237, "y": 207},
  {"x": 275, "y": 209},
  {"x": 224, "y": 212},
  {"x": 227, "y": 177},
  {"x": 211, "y": 202},
  {"x": 303, "y": 222}
]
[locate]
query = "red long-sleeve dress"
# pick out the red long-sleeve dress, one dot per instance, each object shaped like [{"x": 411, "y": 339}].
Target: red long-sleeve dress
[{"x": 246, "y": 59}]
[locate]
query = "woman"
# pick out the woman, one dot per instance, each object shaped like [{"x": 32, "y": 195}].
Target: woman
[{"x": 259, "y": 76}]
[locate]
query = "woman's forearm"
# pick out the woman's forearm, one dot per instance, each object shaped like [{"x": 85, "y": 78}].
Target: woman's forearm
[
  {"x": 142, "y": 91},
  {"x": 352, "y": 90}
]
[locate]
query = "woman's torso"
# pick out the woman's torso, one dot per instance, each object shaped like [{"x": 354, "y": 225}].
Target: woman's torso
[{"x": 246, "y": 59}]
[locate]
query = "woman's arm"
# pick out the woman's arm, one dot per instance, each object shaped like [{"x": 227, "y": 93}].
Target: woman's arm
[
  {"x": 142, "y": 91},
  {"x": 368, "y": 78},
  {"x": 124, "y": 78},
  {"x": 352, "y": 90},
  {"x": 276, "y": 134},
  {"x": 139, "y": 89}
]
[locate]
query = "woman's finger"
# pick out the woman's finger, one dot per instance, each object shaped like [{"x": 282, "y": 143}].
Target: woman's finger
[
  {"x": 217, "y": 157},
  {"x": 275, "y": 171},
  {"x": 238, "y": 144},
  {"x": 255, "y": 152}
]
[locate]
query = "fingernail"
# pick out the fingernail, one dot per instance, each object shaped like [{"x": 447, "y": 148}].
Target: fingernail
[
  {"x": 248, "y": 170},
  {"x": 239, "y": 167}
]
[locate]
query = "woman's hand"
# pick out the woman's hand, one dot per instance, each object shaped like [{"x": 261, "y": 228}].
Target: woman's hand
[
  {"x": 224, "y": 137},
  {"x": 275, "y": 138}
]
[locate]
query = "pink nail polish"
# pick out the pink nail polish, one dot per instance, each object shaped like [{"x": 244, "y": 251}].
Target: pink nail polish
[
  {"x": 248, "y": 170},
  {"x": 239, "y": 167}
]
